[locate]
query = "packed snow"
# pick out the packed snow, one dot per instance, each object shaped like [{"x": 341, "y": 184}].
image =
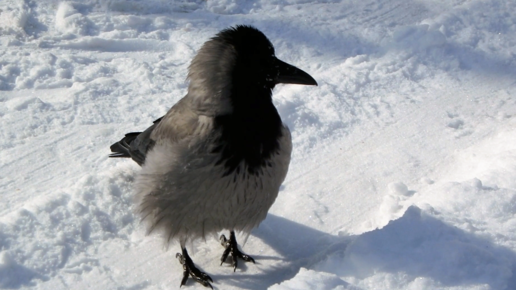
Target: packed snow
[{"x": 403, "y": 173}]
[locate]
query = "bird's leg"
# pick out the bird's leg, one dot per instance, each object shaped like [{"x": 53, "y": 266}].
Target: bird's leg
[
  {"x": 189, "y": 269},
  {"x": 232, "y": 247}
]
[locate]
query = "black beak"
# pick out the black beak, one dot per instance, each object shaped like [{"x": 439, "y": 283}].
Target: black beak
[{"x": 289, "y": 74}]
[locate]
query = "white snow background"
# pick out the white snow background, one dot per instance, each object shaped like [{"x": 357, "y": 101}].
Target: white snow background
[{"x": 404, "y": 165}]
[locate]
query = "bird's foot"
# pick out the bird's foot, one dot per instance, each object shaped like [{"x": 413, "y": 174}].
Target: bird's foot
[
  {"x": 232, "y": 247},
  {"x": 189, "y": 269}
]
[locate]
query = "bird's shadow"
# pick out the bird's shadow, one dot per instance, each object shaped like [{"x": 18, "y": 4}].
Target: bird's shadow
[
  {"x": 417, "y": 244},
  {"x": 296, "y": 244}
]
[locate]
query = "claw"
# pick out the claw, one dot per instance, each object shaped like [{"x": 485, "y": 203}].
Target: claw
[
  {"x": 189, "y": 269},
  {"x": 225, "y": 243},
  {"x": 232, "y": 247}
]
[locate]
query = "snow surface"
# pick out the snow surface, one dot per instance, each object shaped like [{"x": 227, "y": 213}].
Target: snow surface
[{"x": 404, "y": 166}]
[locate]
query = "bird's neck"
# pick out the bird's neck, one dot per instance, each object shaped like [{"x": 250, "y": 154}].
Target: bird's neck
[{"x": 250, "y": 133}]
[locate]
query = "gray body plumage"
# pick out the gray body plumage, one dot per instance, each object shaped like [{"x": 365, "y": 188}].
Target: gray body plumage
[{"x": 183, "y": 194}]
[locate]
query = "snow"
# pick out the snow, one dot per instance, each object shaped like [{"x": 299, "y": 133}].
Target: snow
[{"x": 403, "y": 173}]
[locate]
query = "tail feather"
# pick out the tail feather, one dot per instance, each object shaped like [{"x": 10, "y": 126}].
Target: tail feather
[
  {"x": 134, "y": 145},
  {"x": 122, "y": 148},
  {"x": 125, "y": 148}
]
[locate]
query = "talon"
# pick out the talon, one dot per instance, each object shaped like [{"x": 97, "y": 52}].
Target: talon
[
  {"x": 180, "y": 258},
  {"x": 223, "y": 240},
  {"x": 189, "y": 269},
  {"x": 232, "y": 247},
  {"x": 247, "y": 258}
]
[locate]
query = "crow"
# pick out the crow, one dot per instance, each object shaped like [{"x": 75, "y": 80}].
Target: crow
[{"x": 217, "y": 158}]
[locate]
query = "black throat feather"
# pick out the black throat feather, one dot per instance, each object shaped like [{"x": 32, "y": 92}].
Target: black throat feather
[{"x": 251, "y": 132}]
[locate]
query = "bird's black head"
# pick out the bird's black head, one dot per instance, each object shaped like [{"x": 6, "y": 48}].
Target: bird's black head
[
  {"x": 240, "y": 65},
  {"x": 255, "y": 59}
]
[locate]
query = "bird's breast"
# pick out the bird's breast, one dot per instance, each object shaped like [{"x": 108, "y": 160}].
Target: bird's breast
[{"x": 249, "y": 139}]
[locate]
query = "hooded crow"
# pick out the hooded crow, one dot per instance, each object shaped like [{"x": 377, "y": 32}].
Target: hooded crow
[{"x": 217, "y": 159}]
